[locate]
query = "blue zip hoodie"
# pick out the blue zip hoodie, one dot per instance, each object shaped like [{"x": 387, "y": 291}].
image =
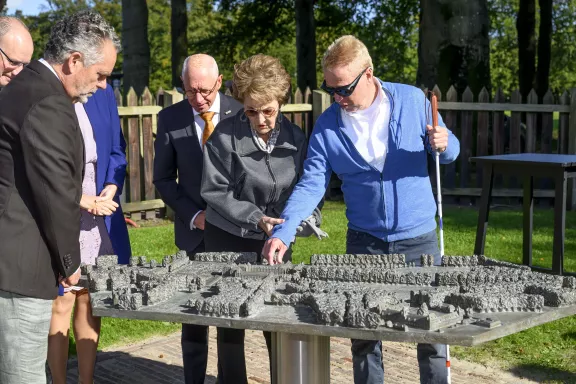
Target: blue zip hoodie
[{"x": 392, "y": 205}]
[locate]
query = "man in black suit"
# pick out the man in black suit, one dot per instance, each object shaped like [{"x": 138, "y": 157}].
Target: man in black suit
[
  {"x": 182, "y": 130},
  {"x": 41, "y": 167}
]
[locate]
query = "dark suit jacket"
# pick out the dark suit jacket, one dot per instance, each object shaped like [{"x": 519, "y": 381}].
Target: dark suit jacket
[
  {"x": 111, "y": 164},
  {"x": 178, "y": 155},
  {"x": 41, "y": 167}
]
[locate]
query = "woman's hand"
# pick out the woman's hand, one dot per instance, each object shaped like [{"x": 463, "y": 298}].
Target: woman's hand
[
  {"x": 105, "y": 207},
  {"x": 267, "y": 223},
  {"x": 97, "y": 205},
  {"x": 109, "y": 192}
]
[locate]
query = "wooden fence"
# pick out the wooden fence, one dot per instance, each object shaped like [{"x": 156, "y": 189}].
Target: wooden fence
[
  {"x": 484, "y": 124},
  {"x": 497, "y": 125}
]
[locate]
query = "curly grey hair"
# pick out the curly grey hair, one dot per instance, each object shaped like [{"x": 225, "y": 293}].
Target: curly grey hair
[{"x": 83, "y": 32}]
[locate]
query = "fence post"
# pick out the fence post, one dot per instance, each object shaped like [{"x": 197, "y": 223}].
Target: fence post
[
  {"x": 298, "y": 99},
  {"x": 308, "y": 116},
  {"x": 531, "y": 124},
  {"x": 571, "y": 203},
  {"x": 466, "y": 129},
  {"x": 563, "y": 123},
  {"x": 482, "y": 133},
  {"x": 133, "y": 149},
  {"x": 451, "y": 121},
  {"x": 320, "y": 102},
  {"x": 148, "y": 151}
]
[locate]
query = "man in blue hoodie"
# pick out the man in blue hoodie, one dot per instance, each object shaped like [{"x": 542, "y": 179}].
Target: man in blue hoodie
[{"x": 376, "y": 137}]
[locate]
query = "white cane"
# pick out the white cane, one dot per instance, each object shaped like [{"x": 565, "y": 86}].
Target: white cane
[{"x": 434, "y": 103}]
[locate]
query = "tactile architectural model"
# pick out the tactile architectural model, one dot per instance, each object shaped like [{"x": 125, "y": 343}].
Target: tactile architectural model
[{"x": 357, "y": 291}]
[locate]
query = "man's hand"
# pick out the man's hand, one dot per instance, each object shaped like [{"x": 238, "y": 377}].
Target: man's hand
[
  {"x": 109, "y": 192},
  {"x": 267, "y": 223},
  {"x": 274, "y": 250},
  {"x": 70, "y": 280},
  {"x": 438, "y": 137},
  {"x": 200, "y": 220}
]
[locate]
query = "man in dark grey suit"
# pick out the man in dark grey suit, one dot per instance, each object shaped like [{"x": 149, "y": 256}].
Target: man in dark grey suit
[
  {"x": 182, "y": 130},
  {"x": 41, "y": 167}
]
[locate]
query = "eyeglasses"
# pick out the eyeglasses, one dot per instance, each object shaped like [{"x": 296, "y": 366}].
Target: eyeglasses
[
  {"x": 345, "y": 90},
  {"x": 266, "y": 112},
  {"x": 13, "y": 63},
  {"x": 203, "y": 92}
]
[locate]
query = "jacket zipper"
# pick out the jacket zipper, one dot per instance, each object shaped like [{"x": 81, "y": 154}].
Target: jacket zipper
[{"x": 273, "y": 193}]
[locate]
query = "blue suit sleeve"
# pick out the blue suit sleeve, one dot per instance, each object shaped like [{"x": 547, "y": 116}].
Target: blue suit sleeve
[
  {"x": 117, "y": 167},
  {"x": 309, "y": 190}
]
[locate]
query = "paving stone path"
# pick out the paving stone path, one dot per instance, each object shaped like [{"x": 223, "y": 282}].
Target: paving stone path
[{"x": 159, "y": 361}]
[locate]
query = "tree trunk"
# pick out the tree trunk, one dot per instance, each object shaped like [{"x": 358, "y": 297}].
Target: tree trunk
[
  {"x": 544, "y": 48},
  {"x": 305, "y": 45},
  {"x": 2, "y": 6},
  {"x": 454, "y": 46},
  {"x": 179, "y": 27},
  {"x": 525, "y": 25},
  {"x": 136, "y": 67}
]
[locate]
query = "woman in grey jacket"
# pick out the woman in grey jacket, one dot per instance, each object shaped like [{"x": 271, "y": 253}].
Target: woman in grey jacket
[{"x": 251, "y": 164}]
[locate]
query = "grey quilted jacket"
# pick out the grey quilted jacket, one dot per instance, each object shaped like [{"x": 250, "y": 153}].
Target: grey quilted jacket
[{"x": 241, "y": 183}]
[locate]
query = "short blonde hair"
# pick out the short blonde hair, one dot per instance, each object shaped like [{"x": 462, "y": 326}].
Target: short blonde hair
[
  {"x": 263, "y": 78},
  {"x": 344, "y": 51}
]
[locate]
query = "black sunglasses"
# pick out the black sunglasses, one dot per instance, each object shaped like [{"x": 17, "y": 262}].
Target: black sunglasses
[
  {"x": 345, "y": 90},
  {"x": 13, "y": 63}
]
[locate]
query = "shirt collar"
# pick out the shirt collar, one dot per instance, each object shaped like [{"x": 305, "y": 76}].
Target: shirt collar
[
  {"x": 49, "y": 67},
  {"x": 380, "y": 99},
  {"x": 215, "y": 107}
]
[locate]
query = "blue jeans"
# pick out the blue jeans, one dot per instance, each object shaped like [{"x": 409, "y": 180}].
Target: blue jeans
[{"x": 367, "y": 354}]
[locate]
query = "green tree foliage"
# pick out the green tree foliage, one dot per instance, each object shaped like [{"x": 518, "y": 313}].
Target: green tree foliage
[
  {"x": 232, "y": 30},
  {"x": 41, "y": 24},
  {"x": 390, "y": 31},
  {"x": 504, "y": 48},
  {"x": 503, "y": 44},
  {"x": 563, "y": 64},
  {"x": 159, "y": 39}
]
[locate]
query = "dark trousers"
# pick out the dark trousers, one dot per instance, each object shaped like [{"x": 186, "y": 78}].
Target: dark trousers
[
  {"x": 367, "y": 354},
  {"x": 194, "y": 343},
  {"x": 231, "y": 358}
]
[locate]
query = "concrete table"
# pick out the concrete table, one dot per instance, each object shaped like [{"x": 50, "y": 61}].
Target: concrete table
[
  {"x": 301, "y": 348},
  {"x": 306, "y": 305},
  {"x": 527, "y": 166}
]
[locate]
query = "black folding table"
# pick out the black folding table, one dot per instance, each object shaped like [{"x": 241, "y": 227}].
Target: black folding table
[{"x": 527, "y": 166}]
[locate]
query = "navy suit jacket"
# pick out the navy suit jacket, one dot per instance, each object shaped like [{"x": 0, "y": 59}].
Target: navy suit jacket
[
  {"x": 178, "y": 166},
  {"x": 111, "y": 164}
]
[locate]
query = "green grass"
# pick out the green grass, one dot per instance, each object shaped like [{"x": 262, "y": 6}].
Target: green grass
[{"x": 547, "y": 352}]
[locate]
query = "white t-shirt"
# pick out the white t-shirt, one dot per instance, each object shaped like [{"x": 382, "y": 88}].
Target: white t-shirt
[{"x": 368, "y": 129}]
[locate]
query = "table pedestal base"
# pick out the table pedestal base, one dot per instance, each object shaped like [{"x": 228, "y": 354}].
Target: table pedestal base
[{"x": 300, "y": 359}]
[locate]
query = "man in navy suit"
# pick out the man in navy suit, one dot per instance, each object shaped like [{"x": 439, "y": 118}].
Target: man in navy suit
[{"x": 182, "y": 130}]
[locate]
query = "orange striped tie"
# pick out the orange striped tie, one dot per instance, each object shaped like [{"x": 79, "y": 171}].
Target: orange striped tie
[{"x": 208, "y": 125}]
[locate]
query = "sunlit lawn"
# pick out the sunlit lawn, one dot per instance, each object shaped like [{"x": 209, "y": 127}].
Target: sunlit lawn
[{"x": 549, "y": 349}]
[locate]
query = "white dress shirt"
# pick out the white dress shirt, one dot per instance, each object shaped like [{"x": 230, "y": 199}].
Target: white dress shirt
[
  {"x": 368, "y": 129},
  {"x": 49, "y": 67}
]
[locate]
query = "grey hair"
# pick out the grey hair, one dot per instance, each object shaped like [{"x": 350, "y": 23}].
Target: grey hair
[
  {"x": 6, "y": 22},
  {"x": 82, "y": 32}
]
